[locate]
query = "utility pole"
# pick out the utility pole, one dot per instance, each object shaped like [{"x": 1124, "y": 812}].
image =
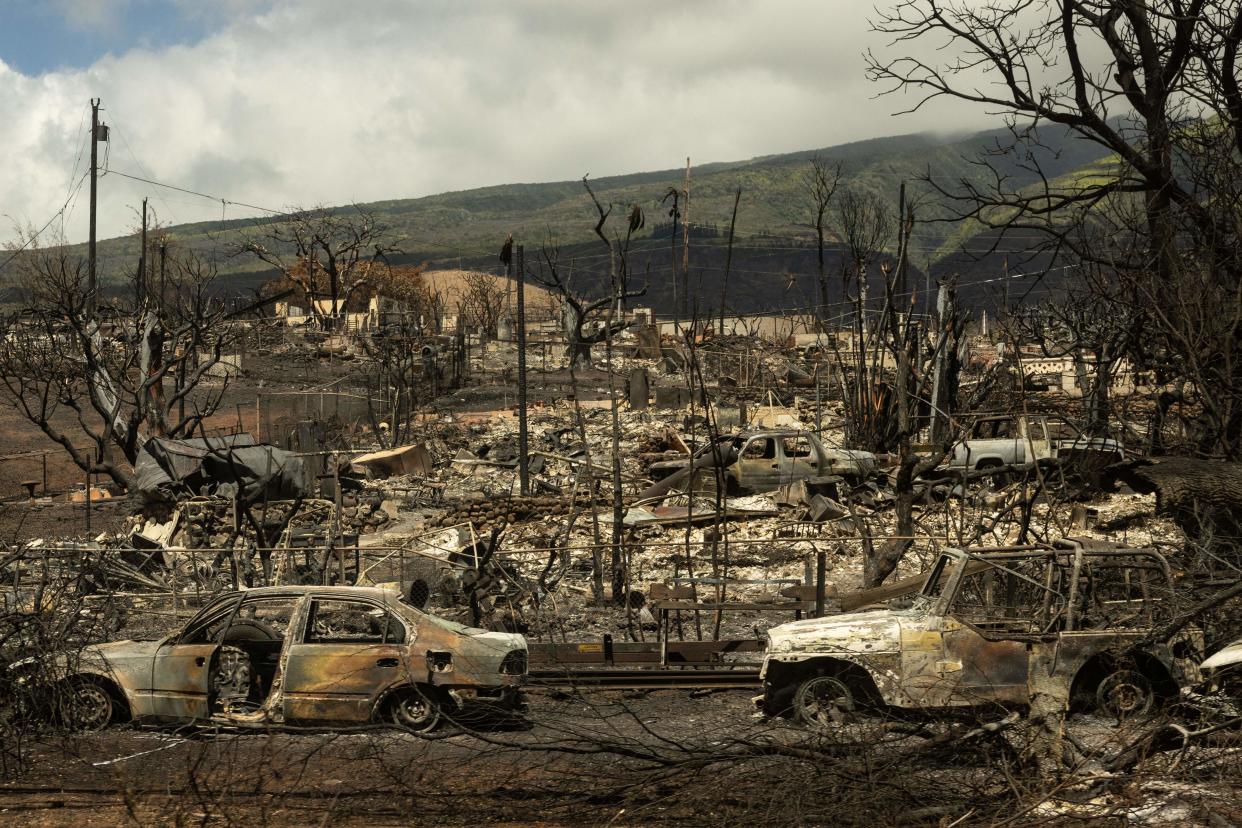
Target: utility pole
[
  {"x": 99, "y": 132},
  {"x": 163, "y": 283},
  {"x": 685, "y": 248},
  {"x": 523, "y": 457},
  {"x": 675, "y": 215},
  {"x": 927, "y": 287},
  {"x": 942, "y": 313},
  {"x": 1005, "y": 286},
  {"x": 901, "y": 230},
  {"x": 140, "y": 286},
  {"x": 509, "y": 285}
]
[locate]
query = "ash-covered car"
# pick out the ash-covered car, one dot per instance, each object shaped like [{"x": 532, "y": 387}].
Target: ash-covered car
[
  {"x": 267, "y": 657},
  {"x": 762, "y": 461},
  {"x": 1076, "y": 621}
]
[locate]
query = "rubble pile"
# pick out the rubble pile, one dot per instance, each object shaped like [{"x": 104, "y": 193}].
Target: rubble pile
[
  {"x": 488, "y": 514},
  {"x": 363, "y": 513},
  {"x": 206, "y": 524}
]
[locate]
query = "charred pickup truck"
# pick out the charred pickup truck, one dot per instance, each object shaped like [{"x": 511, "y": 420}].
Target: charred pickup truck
[
  {"x": 994, "y": 627},
  {"x": 294, "y": 654},
  {"x": 995, "y": 442},
  {"x": 761, "y": 461}
]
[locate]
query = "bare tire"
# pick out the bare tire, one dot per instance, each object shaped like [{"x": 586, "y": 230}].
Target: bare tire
[
  {"x": 414, "y": 711},
  {"x": 996, "y": 480},
  {"x": 1125, "y": 693},
  {"x": 87, "y": 706},
  {"x": 824, "y": 702},
  {"x": 249, "y": 629}
]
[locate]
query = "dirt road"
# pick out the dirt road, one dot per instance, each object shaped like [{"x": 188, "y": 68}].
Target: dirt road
[{"x": 547, "y": 770}]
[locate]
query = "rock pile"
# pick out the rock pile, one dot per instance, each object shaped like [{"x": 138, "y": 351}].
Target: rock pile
[
  {"x": 486, "y": 514},
  {"x": 363, "y": 513}
]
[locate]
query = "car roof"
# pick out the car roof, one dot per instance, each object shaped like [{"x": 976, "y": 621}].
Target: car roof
[{"x": 374, "y": 593}]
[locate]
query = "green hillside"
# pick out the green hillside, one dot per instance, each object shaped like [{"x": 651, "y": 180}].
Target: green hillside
[{"x": 473, "y": 223}]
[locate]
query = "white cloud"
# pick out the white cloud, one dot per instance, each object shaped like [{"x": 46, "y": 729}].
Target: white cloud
[
  {"x": 91, "y": 14},
  {"x": 332, "y": 102}
]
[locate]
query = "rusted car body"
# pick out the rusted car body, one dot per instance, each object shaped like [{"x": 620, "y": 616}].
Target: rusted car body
[
  {"x": 762, "y": 461},
  {"x": 995, "y": 627},
  {"x": 296, "y": 654}
]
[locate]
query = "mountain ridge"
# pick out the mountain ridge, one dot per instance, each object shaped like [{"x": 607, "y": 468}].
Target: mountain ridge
[{"x": 469, "y": 225}]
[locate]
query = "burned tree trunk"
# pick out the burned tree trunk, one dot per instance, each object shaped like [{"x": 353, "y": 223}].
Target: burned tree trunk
[
  {"x": 1204, "y": 497},
  {"x": 578, "y": 342}
]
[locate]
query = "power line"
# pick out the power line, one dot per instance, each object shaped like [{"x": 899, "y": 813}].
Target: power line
[
  {"x": 142, "y": 167},
  {"x": 69, "y": 188},
  {"x": 217, "y": 199},
  {"x": 30, "y": 239}
]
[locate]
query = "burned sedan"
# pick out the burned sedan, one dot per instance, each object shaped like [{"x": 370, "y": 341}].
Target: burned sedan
[
  {"x": 295, "y": 654},
  {"x": 992, "y": 627}
]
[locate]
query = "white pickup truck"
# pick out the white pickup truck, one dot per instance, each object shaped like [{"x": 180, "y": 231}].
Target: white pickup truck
[{"x": 1014, "y": 440}]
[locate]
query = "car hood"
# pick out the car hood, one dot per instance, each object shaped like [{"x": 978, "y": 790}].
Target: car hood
[
  {"x": 850, "y": 454},
  {"x": 1229, "y": 655},
  {"x": 877, "y": 631}
]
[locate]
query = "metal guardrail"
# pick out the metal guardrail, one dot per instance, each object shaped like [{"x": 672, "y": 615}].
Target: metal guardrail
[
  {"x": 649, "y": 665},
  {"x": 668, "y": 678}
]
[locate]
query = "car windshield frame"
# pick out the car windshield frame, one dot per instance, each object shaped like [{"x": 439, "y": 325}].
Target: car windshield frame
[
  {"x": 1081, "y": 568},
  {"x": 722, "y": 441},
  {"x": 199, "y": 619},
  {"x": 960, "y": 561},
  {"x": 936, "y": 573}
]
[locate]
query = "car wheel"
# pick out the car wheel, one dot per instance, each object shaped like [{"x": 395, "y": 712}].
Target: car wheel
[
  {"x": 823, "y": 702},
  {"x": 996, "y": 480},
  {"x": 1125, "y": 693},
  {"x": 87, "y": 706},
  {"x": 249, "y": 629},
  {"x": 414, "y": 710}
]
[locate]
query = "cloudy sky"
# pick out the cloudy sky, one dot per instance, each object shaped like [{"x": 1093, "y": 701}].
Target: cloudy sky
[{"x": 298, "y": 102}]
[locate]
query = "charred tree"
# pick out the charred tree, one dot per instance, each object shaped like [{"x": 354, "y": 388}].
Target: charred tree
[
  {"x": 587, "y": 323},
  {"x": 819, "y": 186},
  {"x": 328, "y": 254},
  {"x": 114, "y": 373},
  {"x": 1156, "y": 86}
]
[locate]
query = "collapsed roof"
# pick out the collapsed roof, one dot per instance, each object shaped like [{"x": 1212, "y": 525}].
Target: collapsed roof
[{"x": 169, "y": 470}]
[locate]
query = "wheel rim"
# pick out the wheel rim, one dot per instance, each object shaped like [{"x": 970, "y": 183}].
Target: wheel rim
[
  {"x": 90, "y": 707},
  {"x": 415, "y": 712},
  {"x": 1125, "y": 693},
  {"x": 824, "y": 702}
]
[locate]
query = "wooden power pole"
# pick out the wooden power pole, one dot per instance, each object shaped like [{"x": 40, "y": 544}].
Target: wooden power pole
[
  {"x": 685, "y": 247},
  {"x": 91, "y": 284},
  {"x": 140, "y": 287},
  {"x": 938, "y": 414}
]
